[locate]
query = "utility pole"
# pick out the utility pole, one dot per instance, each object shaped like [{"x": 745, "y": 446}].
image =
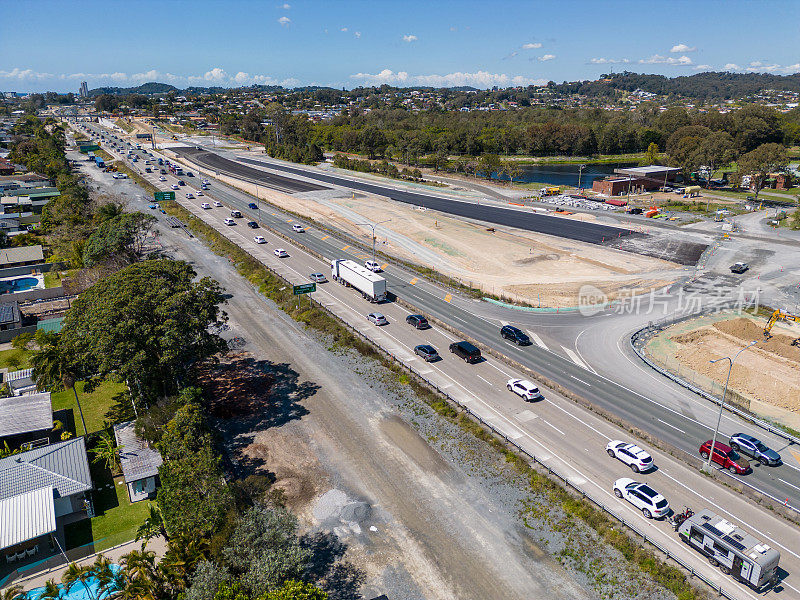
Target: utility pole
[
  {"x": 580, "y": 170},
  {"x": 373, "y": 226}
]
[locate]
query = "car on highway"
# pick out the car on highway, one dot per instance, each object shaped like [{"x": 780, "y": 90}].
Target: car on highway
[
  {"x": 189, "y": 174},
  {"x": 318, "y": 278},
  {"x": 754, "y": 448},
  {"x": 418, "y": 321},
  {"x": 229, "y": 221},
  {"x": 377, "y": 318},
  {"x": 181, "y": 182},
  {"x": 189, "y": 196},
  {"x": 252, "y": 225},
  {"x": 427, "y": 352},
  {"x": 163, "y": 171},
  {"x": 726, "y": 457},
  {"x": 259, "y": 239},
  {"x": 652, "y": 504},
  {"x": 174, "y": 186},
  {"x": 637, "y": 459},
  {"x": 467, "y": 351},
  {"x": 217, "y": 203},
  {"x": 373, "y": 266},
  {"x": 198, "y": 193},
  {"x": 507, "y": 332},
  {"x": 280, "y": 253},
  {"x": 205, "y": 205},
  {"x": 253, "y": 205},
  {"x": 739, "y": 267},
  {"x": 524, "y": 389},
  {"x": 153, "y": 206},
  {"x": 148, "y": 170},
  {"x": 162, "y": 178},
  {"x": 204, "y": 187},
  {"x": 297, "y": 228},
  {"x": 236, "y": 214}
]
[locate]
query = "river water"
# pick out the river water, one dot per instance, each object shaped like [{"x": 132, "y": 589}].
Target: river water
[{"x": 567, "y": 175}]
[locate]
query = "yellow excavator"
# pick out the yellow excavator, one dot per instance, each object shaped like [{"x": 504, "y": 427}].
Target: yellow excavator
[{"x": 780, "y": 315}]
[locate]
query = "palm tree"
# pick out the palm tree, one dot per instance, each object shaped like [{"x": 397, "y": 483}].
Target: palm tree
[
  {"x": 181, "y": 559},
  {"x": 109, "y": 211},
  {"x": 141, "y": 576},
  {"x": 106, "y": 451},
  {"x": 75, "y": 574},
  {"x": 15, "y": 592},
  {"x": 51, "y": 591},
  {"x": 153, "y": 526},
  {"x": 105, "y": 575},
  {"x": 53, "y": 367}
]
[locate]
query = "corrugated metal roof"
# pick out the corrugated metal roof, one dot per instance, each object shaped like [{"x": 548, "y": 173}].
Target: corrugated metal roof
[
  {"x": 26, "y": 516},
  {"x": 138, "y": 460},
  {"x": 9, "y": 312},
  {"x": 64, "y": 466},
  {"x": 21, "y": 414}
]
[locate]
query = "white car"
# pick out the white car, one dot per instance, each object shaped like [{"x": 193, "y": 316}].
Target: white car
[
  {"x": 189, "y": 196},
  {"x": 198, "y": 193},
  {"x": 174, "y": 186},
  {"x": 642, "y": 496},
  {"x": 318, "y": 278},
  {"x": 120, "y": 176},
  {"x": 280, "y": 253},
  {"x": 229, "y": 221},
  {"x": 373, "y": 266},
  {"x": 525, "y": 389},
  {"x": 162, "y": 178},
  {"x": 259, "y": 239},
  {"x": 298, "y": 228},
  {"x": 217, "y": 203},
  {"x": 377, "y": 318},
  {"x": 205, "y": 205},
  {"x": 633, "y": 456}
]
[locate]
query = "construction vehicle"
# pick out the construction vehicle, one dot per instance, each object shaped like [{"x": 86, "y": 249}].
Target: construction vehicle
[{"x": 775, "y": 317}]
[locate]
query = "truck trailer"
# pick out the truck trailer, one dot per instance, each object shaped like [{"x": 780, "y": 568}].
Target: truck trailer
[
  {"x": 371, "y": 285},
  {"x": 736, "y": 552}
]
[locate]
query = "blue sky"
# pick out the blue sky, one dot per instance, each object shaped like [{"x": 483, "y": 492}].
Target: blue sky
[{"x": 53, "y": 45}]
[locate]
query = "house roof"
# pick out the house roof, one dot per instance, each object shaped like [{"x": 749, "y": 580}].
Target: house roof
[
  {"x": 21, "y": 414},
  {"x": 64, "y": 466},
  {"x": 137, "y": 458},
  {"x": 9, "y": 313},
  {"x": 11, "y": 256},
  {"x": 26, "y": 516}
]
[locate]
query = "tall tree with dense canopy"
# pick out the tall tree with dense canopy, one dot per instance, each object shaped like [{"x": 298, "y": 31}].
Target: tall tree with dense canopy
[{"x": 762, "y": 161}]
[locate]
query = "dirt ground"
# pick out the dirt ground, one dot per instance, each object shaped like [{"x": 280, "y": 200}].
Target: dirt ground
[{"x": 769, "y": 372}]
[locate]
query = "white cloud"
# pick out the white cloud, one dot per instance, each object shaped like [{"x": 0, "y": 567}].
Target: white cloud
[
  {"x": 682, "y": 48},
  {"x": 657, "y": 59},
  {"x": 408, "y": 38},
  {"x": 479, "y": 79},
  {"x": 151, "y": 75},
  {"x": 454, "y": 28},
  {"x": 215, "y": 75},
  {"x": 732, "y": 67},
  {"x": 608, "y": 61},
  {"x": 344, "y": 29},
  {"x": 24, "y": 75},
  {"x": 531, "y": 46},
  {"x": 546, "y": 57},
  {"x": 357, "y": 34},
  {"x": 285, "y": 6},
  {"x": 284, "y": 21},
  {"x": 702, "y": 68},
  {"x": 756, "y": 63}
]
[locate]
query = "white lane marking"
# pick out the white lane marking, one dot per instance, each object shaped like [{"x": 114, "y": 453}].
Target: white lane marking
[
  {"x": 578, "y": 352},
  {"x": 486, "y": 380},
  {"x": 557, "y": 429},
  {"x": 498, "y": 368},
  {"x": 569, "y": 414},
  {"x": 673, "y": 426},
  {"x": 581, "y": 380},
  {"x": 503, "y": 323},
  {"x": 538, "y": 340},
  {"x": 789, "y": 484},
  {"x": 574, "y": 358}
]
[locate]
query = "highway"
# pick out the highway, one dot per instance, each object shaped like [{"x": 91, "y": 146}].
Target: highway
[{"x": 552, "y": 428}]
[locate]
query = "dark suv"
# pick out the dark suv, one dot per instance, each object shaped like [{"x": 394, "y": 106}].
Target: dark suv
[
  {"x": 507, "y": 332},
  {"x": 754, "y": 448},
  {"x": 467, "y": 351},
  {"x": 418, "y": 321}
]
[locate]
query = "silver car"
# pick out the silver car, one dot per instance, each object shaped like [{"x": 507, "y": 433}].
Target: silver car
[{"x": 377, "y": 318}]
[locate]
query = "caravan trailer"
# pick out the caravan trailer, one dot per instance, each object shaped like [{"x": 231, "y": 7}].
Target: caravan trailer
[{"x": 737, "y": 553}]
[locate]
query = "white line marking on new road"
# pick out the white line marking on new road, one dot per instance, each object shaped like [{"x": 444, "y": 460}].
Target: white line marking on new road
[
  {"x": 538, "y": 340},
  {"x": 556, "y": 428},
  {"x": 486, "y": 380},
  {"x": 673, "y": 426},
  {"x": 787, "y": 483},
  {"x": 504, "y": 323},
  {"x": 574, "y": 358},
  {"x": 581, "y": 380}
]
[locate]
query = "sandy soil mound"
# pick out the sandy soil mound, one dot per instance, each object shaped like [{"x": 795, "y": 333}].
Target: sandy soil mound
[{"x": 747, "y": 330}]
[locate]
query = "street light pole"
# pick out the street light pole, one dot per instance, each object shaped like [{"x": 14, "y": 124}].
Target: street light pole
[
  {"x": 707, "y": 466},
  {"x": 373, "y": 226},
  {"x": 580, "y": 170}
]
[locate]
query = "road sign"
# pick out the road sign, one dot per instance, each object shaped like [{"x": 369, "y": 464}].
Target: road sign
[
  {"x": 306, "y": 288},
  {"x": 161, "y": 196}
]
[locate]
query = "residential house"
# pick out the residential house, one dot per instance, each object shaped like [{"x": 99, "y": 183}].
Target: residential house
[
  {"x": 26, "y": 421},
  {"x": 139, "y": 462},
  {"x": 21, "y": 257}
]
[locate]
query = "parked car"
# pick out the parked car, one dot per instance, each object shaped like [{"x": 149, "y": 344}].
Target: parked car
[
  {"x": 318, "y": 278},
  {"x": 280, "y": 253},
  {"x": 297, "y": 228},
  {"x": 467, "y": 351},
  {"x": 633, "y": 456},
  {"x": 373, "y": 266},
  {"x": 754, "y": 448},
  {"x": 252, "y": 225},
  {"x": 726, "y": 457},
  {"x": 642, "y": 496},
  {"x": 427, "y": 352},
  {"x": 507, "y": 332},
  {"x": 217, "y": 203},
  {"x": 524, "y": 389},
  {"x": 205, "y": 205},
  {"x": 163, "y": 171},
  {"x": 253, "y": 205},
  {"x": 377, "y": 318},
  {"x": 229, "y": 221},
  {"x": 418, "y": 321},
  {"x": 188, "y": 173},
  {"x": 259, "y": 239},
  {"x": 739, "y": 267},
  {"x": 148, "y": 170}
]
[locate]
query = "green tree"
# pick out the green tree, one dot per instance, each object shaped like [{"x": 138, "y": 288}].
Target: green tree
[
  {"x": 109, "y": 210},
  {"x": 121, "y": 236},
  {"x": 147, "y": 323},
  {"x": 14, "y": 592},
  {"x": 651, "y": 156},
  {"x": 762, "y": 161},
  {"x": 297, "y": 590},
  {"x": 50, "y": 591},
  {"x": 153, "y": 526},
  {"x": 488, "y": 164},
  {"x": 717, "y": 150},
  {"x": 75, "y": 574},
  {"x": 106, "y": 451}
]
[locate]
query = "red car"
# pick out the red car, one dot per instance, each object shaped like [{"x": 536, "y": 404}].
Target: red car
[{"x": 726, "y": 457}]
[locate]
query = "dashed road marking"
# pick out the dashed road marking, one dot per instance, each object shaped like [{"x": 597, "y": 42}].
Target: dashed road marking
[
  {"x": 346, "y": 247},
  {"x": 574, "y": 358},
  {"x": 325, "y": 237},
  {"x": 383, "y": 266},
  {"x": 448, "y": 297},
  {"x": 538, "y": 340},
  {"x": 486, "y": 380}
]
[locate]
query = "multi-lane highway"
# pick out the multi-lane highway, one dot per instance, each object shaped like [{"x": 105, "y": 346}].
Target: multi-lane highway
[{"x": 558, "y": 429}]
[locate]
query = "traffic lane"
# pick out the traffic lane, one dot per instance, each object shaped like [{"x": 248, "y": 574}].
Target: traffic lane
[{"x": 490, "y": 377}]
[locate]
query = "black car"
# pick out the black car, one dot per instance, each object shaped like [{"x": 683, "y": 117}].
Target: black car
[
  {"x": 189, "y": 174},
  {"x": 418, "y": 321},
  {"x": 253, "y": 205},
  {"x": 181, "y": 182},
  {"x": 507, "y": 332},
  {"x": 163, "y": 171},
  {"x": 467, "y": 351},
  {"x": 427, "y": 352},
  {"x": 635, "y": 211},
  {"x": 148, "y": 170},
  {"x": 252, "y": 225},
  {"x": 754, "y": 448},
  {"x": 739, "y": 267}
]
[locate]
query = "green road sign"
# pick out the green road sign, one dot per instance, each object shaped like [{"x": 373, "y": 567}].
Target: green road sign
[
  {"x": 161, "y": 196},
  {"x": 306, "y": 288}
]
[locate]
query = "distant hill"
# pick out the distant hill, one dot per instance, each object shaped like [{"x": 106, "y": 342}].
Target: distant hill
[
  {"x": 707, "y": 86},
  {"x": 151, "y": 87}
]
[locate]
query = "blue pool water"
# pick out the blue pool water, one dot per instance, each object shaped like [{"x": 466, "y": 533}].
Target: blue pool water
[
  {"x": 22, "y": 284},
  {"x": 77, "y": 592}
]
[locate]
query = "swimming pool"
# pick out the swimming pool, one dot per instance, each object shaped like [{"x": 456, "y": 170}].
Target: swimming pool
[
  {"x": 77, "y": 592},
  {"x": 22, "y": 284}
]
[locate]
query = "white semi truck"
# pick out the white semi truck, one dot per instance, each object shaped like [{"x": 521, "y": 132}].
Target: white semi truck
[{"x": 371, "y": 285}]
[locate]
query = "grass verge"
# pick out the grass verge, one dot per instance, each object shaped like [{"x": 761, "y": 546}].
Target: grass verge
[
  {"x": 95, "y": 402},
  {"x": 277, "y": 290}
]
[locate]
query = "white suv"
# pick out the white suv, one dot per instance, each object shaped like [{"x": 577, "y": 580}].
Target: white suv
[
  {"x": 373, "y": 266},
  {"x": 525, "y": 389},
  {"x": 642, "y": 496},
  {"x": 633, "y": 456}
]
